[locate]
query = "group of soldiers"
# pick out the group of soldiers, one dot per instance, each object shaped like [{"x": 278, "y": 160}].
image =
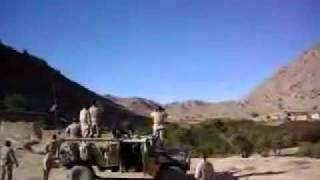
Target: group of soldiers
[
  {"x": 86, "y": 127},
  {"x": 88, "y": 123}
]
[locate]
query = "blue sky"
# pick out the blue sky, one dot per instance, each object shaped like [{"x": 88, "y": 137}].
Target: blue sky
[{"x": 165, "y": 50}]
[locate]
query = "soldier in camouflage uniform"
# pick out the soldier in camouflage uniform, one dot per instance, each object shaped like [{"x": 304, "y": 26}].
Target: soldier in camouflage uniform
[
  {"x": 95, "y": 115},
  {"x": 74, "y": 129},
  {"x": 51, "y": 157},
  {"x": 159, "y": 116},
  {"x": 8, "y": 159},
  {"x": 85, "y": 122}
]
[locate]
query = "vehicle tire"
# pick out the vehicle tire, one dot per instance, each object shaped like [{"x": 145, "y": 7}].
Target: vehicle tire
[
  {"x": 172, "y": 172},
  {"x": 81, "y": 173},
  {"x": 115, "y": 169}
]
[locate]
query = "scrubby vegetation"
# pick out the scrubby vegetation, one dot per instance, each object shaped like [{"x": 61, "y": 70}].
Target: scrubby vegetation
[
  {"x": 201, "y": 138},
  {"x": 15, "y": 102},
  {"x": 309, "y": 149},
  {"x": 225, "y": 137}
]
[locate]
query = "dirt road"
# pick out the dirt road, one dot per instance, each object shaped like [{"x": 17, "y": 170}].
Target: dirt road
[
  {"x": 232, "y": 168},
  {"x": 272, "y": 168}
]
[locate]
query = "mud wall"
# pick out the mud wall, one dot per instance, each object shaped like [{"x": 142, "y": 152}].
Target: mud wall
[{"x": 21, "y": 126}]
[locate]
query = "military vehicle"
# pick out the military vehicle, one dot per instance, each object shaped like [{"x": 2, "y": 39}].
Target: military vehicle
[{"x": 123, "y": 158}]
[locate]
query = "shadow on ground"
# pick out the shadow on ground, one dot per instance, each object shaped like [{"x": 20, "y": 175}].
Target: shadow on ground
[
  {"x": 262, "y": 174},
  {"x": 232, "y": 176},
  {"x": 221, "y": 176}
]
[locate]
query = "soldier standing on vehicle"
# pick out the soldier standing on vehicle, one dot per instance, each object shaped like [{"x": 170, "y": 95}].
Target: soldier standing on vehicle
[
  {"x": 94, "y": 114},
  {"x": 159, "y": 115},
  {"x": 74, "y": 129},
  {"x": 51, "y": 157},
  {"x": 85, "y": 122},
  {"x": 204, "y": 170},
  {"x": 8, "y": 159}
]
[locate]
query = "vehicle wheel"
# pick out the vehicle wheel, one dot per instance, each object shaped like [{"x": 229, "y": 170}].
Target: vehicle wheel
[
  {"x": 81, "y": 173},
  {"x": 172, "y": 172},
  {"x": 115, "y": 169}
]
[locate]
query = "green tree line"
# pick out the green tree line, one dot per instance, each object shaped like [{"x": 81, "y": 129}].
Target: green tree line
[{"x": 226, "y": 137}]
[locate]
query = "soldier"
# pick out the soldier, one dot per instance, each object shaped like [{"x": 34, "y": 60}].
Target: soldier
[
  {"x": 159, "y": 115},
  {"x": 51, "y": 157},
  {"x": 94, "y": 114},
  {"x": 74, "y": 129},
  {"x": 8, "y": 158},
  {"x": 85, "y": 122},
  {"x": 204, "y": 170}
]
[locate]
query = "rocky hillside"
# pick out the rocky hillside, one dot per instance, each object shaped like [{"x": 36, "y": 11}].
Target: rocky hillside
[
  {"x": 295, "y": 87},
  {"x": 32, "y": 78},
  {"x": 191, "y": 111},
  {"x": 137, "y": 105},
  {"x": 195, "y": 110}
]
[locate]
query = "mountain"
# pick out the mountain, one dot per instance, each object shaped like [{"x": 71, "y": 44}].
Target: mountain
[
  {"x": 31, "y": 77},
  {"x": 191, "y": 111},
  {"x": 194, "y": 111},
  {"x": 137, "y": 105},
  {"x": 295, "y": 87}
]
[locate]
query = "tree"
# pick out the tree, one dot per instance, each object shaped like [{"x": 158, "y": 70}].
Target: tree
[
  {"x": 263, "y": 145},
  {"x": 276, "y": 143},
  {"x": 315, "y": 152},
  {"x": 287, "y": 141},
  {"x": 243, "y": 145},
  {"x": 219, "y": 125},
  {"x": 15, "y": 102},
  {"x": 305, "y": 149}
]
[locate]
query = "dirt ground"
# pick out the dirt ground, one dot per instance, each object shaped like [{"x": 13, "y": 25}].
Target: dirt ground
[
  {"x": 232, "y": 168},
  {"x": 272, "y": 168}
]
